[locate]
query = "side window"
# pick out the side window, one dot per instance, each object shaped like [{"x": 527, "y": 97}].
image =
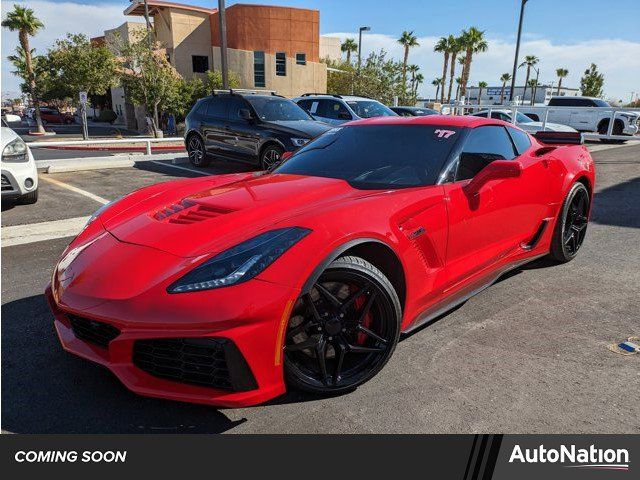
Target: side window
[
  {"x": 520, "y": 139},
  {"x": 217, "y": 107},
  {"x": 483, "y": 146},
  {"x": 305, "y": 104},
  {"x": 301, "y": 58},
  {"x": 281, "y": 64},
  {"x": 234, "y": 104},
  {"x": 335, "y": 110},
  {"x": 258, "y": 69}
]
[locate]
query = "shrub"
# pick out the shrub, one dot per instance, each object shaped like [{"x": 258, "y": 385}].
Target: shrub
[{"x": 107, "y": 115}]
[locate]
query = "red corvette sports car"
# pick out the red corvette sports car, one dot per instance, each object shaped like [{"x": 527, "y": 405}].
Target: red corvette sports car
[{"x": 224, "y": 289}]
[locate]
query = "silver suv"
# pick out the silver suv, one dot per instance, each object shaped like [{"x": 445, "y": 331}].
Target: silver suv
[{"x": 337, "y": 109}]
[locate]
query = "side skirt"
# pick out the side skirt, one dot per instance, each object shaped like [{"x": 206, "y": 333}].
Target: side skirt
[{"x": 462, "y": 296}]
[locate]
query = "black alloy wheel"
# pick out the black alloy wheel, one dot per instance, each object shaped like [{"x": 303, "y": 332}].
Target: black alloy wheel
[
  {"x": 344, "y": 330},
  {"x": 271, "y": 156},
  {"x": 571, "y": 227},
  {"x": 197, "y": 152}
]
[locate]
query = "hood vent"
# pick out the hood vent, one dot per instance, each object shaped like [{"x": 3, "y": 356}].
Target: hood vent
[{"x": 189, "y": 211}]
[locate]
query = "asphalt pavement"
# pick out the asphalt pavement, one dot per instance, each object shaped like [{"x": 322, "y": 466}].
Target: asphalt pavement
[{"x": 527, "y": 355}]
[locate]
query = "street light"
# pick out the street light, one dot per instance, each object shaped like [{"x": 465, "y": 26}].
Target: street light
[
  {"x": 362, "y": 29},
  {"x": 515, "y": 60},
  {"x": 223, "y": 43}
]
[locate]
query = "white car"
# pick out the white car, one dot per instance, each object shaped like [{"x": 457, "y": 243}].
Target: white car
[
  {"x": 338, "y": 109},
  {"x": 524, "y": 122},
  {"x": 19, "y": 172}
]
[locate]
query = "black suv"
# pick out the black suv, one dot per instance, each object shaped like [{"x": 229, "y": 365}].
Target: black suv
[{"x": 250, "y": 127}]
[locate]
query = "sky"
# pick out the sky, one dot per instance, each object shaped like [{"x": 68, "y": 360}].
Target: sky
[{"x": 562, "y": 33}]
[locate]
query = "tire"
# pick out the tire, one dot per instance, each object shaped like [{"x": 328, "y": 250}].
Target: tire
[
  {"x": 571, "y": 225},
  {"x": 344, "y": 330},
  {"x": 196, "y": 151},
  {"x": 270, "y": 156},
  {"x": 617, "y": 130},
  {"x": 29, "y": 198}
]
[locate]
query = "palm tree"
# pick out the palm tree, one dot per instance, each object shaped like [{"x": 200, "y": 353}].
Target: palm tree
[
  {"x": 25, "y": 22},
  {"x": 504, "y": 78},
  {"x": 349, "y": 46},
  {"x": 481, "y": 85},
  {"x": 533, "y": 83},
  {"x": 472, "y": 41},
  {"x": 445, "y": 45},
  {"x": 529, "y": 61},
  {"x": 436, "y": 83},
  {"x": 456, "y": 47},
  {"x": 458, "y": 82},
  {"x": 407, "y": 40},
  {"x": 419, "y": 80},
  {"x": 413, "y": 70},
  {"x": 561, "y": 73}
]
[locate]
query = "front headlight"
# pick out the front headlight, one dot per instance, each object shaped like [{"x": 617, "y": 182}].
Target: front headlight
[
  {"x": 15, "y": 151},
  {"x": 240, "y": 263},
  {"x": 299, "y": 142}
]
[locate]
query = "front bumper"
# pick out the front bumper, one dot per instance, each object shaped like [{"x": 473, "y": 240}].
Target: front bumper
[
  {"x": 249, "y": 319},
  {"x": 630, "y": 129}
]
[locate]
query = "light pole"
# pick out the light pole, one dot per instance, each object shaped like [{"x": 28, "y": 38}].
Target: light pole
[
  {"x": 515, "y": 60},
  {"x": 362, "y": 29},
  {"x": 223, "y": 44}
]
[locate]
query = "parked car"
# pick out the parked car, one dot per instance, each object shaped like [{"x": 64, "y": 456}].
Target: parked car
[
  {"x": 250, "y": 127},
  {"x": 53, "y": 115},
  {"x": 586, "y": 120},
  {"x": 338, "y": 109},
  {"x": 19, "y": 173},
  {"x": 414, "y": 111},
  {"x": 524, "y": 122},
  {"x": 228, "y": 290}
]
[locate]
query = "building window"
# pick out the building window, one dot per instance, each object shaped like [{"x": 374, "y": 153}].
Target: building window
[
  {"x": 258, "y": 69},
  {"x": 301, "y": 58},
  {"x": 200, "y": 63},
  {"x": 281, "y": 64}
]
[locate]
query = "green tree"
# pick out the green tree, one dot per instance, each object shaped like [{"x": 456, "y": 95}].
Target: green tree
[
  {"x": 458, "y": 83},
  {"x": 561, "y": 73},
  {"x": 529, "y": 61},
  {"x": 472, "y": 41},
  {"x": 419, "y": 81},
  {"x": 481, "y": 86},
  {"x": 504, "y": 78},
  {"x": 446, "y": 46},
  {"x": 340, "y": 80},
  {"x": 24, "y": 21},
  {"x": 436, "y": 82},
  {"x": 408, "y": 40},
  {"x": 454, "y": 50},
  {"x": 592, "y": 82},
  {"x": 533, "y": 84},
  {"x": 413, "y": 71},
  {"x": 349, "y": 46},
  {"x": 75, "y": 65}
]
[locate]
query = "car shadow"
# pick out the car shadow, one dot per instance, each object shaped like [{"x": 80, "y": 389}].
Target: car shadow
[
  {"x": 46, "y": 390},
  {"x": 216, "y": 167},
  {"x": 618, "y": 205}
]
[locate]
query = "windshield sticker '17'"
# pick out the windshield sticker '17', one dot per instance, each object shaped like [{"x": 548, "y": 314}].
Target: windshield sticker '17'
[{"x": 444, "y": 133}]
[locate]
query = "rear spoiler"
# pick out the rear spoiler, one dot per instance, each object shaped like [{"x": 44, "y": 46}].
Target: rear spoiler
[{"x": 559, "y": 138}]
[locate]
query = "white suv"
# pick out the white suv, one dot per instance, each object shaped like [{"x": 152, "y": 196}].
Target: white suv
[
  {"x": 19, "y": 172},
  {"x": 337, "y": 109}
]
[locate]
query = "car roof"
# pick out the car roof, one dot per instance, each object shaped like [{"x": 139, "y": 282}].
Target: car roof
[
  {"x": 336, "y": 97},
  {"x": 439, "y": 120}
]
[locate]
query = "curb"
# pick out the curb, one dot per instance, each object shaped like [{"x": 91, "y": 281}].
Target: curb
[
  {"x": 174, "y": 148},
  {"x": 102, "y": 163}
]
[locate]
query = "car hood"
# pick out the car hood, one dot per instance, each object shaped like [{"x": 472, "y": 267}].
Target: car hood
[
  {"x": 305, "y": 128},
  {"x": 194, "y": 217}
]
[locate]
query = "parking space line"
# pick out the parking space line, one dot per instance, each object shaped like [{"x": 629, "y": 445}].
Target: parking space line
[
  {"x": 90, "y": 195},
  {"x": 38, "y": 232},
  {"x": 180, "y": 168}
]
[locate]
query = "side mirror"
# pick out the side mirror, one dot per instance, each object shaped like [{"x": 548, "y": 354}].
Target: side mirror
[
  {"x": 245, "y": 114},
  {"x": 496, "y": 170}
]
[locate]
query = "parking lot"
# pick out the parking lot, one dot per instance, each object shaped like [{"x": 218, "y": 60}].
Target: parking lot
[{"x": 526, "y": 355}]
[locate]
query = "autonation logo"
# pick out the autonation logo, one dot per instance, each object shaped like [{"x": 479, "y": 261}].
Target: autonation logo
[{"x": 592, "y": 457}]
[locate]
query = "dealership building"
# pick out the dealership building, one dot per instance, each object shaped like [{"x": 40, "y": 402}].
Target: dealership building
[{"x": 268, "y": 47}]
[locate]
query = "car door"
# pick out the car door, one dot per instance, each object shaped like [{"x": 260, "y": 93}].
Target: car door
[
  {"x": 491, "y": 221},
  {"x": 583, "y": 118},
  {"x": 242, "y": 136},
  {"x": 213, "y": 126},
  {"x": 560, "y": 111}
]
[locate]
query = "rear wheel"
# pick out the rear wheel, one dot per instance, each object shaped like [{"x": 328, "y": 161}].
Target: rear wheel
[
  {"x": 603, "y": 128},
  {"x": 196, "y": 151},
  {"x": 344, "y": 330},
  {"x": 571, "y": 226}
]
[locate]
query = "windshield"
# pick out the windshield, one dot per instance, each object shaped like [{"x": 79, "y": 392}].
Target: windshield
[
  {"x": 376, "y": 156},
  {"x": 277, "y": 109},
  {"x": 600, "y": 103},
  {"x": 522, "y": 118},
  {"x": 370, "y": 108}
]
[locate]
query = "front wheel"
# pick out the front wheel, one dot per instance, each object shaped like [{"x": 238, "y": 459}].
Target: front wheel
[
  {"x": 196, "y": 151},
  {"x": 571, "y": 225},
  {"x": 344, "y": 330},
  {"x": 29, "y": 198},
  {"x": 270, "y": 156}
]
